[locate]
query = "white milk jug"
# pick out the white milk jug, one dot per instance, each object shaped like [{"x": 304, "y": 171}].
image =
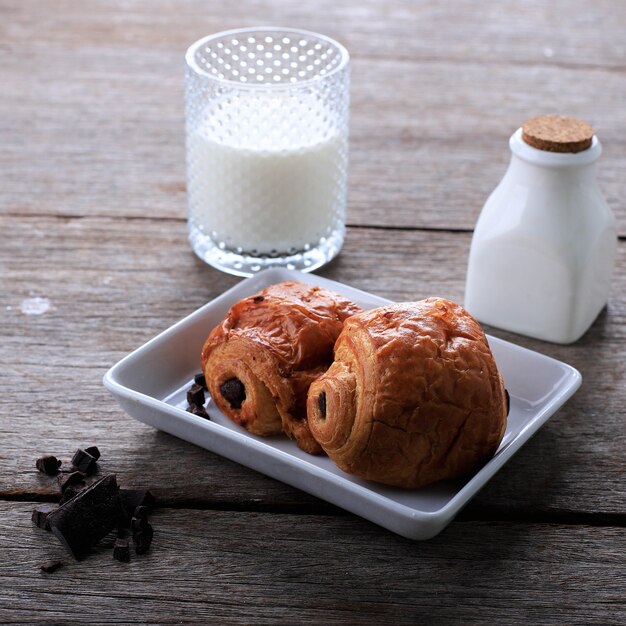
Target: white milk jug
[{"x": 543, "y": 250}]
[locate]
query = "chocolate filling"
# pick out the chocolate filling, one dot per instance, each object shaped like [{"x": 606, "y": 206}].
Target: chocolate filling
[
  {"x": 321, "y": 401},
  {"x": 234, "y": 392}
]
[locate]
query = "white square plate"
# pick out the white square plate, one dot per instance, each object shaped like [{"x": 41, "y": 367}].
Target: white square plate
[{"x": 151, "y": 383}]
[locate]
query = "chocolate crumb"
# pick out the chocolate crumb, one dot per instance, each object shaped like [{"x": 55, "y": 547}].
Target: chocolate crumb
[
  {"x": 93, "y": 450},
  {"x": 195, "y": 395},
  {"x": 71, "y": 492},
  {"x": 66, "y": 480},
  {"x": 132, "y": 499},
  {"x": 200, "y": 411},
  {"x": 141, "y": 512},
  {"x": 139, "y": 520},
  {"x": 121, "y": 550},
  {"x": 84, "y": 462},
  {"x": 48, "y": 464},
  {"x": 50, "y": 566},
  {"x": 40, "y": 515},
  {"x": 199, "y": 379},
  {"x": 137, "y": 523},
  {"x": 143, "y": 537}
]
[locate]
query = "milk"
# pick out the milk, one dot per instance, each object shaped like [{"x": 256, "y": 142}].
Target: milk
[{"x": 266, "y": 173}]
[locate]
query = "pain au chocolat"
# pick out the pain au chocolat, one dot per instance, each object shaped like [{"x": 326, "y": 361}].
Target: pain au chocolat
[
  {"x": 413, "y": 395},
  {"x": 260, "y": 361}
]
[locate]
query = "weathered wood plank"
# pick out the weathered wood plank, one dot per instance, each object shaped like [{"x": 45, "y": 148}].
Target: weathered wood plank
[
  {"x": 217, "y": 567},
  {"x": 114, "y": 284},
  {"x": 92, "y": 129},
  {"x": 434, "y": 100},
  {"x": 501, "y": 32}
]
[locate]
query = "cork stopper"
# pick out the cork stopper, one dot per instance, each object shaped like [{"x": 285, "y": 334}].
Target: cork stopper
[{"x": 557, "y": 133}]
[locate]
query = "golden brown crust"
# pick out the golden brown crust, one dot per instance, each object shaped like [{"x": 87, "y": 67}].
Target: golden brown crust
[
  {"x": 276, "y": 344},
  {"x": 413, "y": 396},
  {"x": 557, "y": 133}
]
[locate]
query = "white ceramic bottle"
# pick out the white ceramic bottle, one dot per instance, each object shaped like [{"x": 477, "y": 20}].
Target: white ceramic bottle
[{"x": 543, "y": 249}]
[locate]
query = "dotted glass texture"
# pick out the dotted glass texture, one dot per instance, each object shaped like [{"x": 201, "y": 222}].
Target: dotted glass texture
[
  {"x": 268, "y": 57},
  {"x": 267, "y": 149}
]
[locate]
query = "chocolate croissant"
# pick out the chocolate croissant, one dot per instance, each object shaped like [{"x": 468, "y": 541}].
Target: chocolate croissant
[
  {"x": 413, "y": 395},
  {"x": 260, "y": 361}
]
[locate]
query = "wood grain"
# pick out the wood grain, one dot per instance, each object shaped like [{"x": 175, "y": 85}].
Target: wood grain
[
  {"x": 434, "y": 100},
  {"x": 217, "y": 567},
  {"x": 92, "y": 218},
  {"x": 101, "y": 310}
]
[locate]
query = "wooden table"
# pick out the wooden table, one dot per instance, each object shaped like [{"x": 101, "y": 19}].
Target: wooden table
[{"x": 93, "y": 220}]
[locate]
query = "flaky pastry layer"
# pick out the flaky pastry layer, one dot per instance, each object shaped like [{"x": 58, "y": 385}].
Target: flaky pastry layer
[
  {"x": 260, "y": 361},
  {"x": 413, "y": 395}
]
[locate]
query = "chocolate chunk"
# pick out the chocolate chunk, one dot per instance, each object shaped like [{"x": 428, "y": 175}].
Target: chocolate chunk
[
  {"x": 71, "y": 491},
  {"x": 200, "y": 411},
  {"x": 66, "y": 480},
  {"x": 93, "y": 450},
  {"x": 132, "y": 499},
  {"x": 139, "y": 519},
  {"x": 137, "y": 524},
  {"x": 234, "y": 392},
  {"x": 84, "y": 462},
  {"x": 50, "y": 566},
  {"x": 40, "y": 515},
  {"x": 48, "y": 464},
  {"x": 199, "y": 379},
  {"x": 321, "y": 401},
  {"x": 141, "y": 512},
  {"x": 121, "y": 550},
  {"x": 258, "y": 298},
  {"x": 143, "y": 537},
  {"x": 195, "y": 395},
  {"x": 87, "y": 517}
]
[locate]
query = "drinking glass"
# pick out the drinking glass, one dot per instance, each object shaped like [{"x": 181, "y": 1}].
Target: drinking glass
[{"x": 267, "y": 148}]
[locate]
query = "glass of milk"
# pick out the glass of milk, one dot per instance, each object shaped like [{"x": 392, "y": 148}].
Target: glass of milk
[{"x": 267, "y": 148}]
